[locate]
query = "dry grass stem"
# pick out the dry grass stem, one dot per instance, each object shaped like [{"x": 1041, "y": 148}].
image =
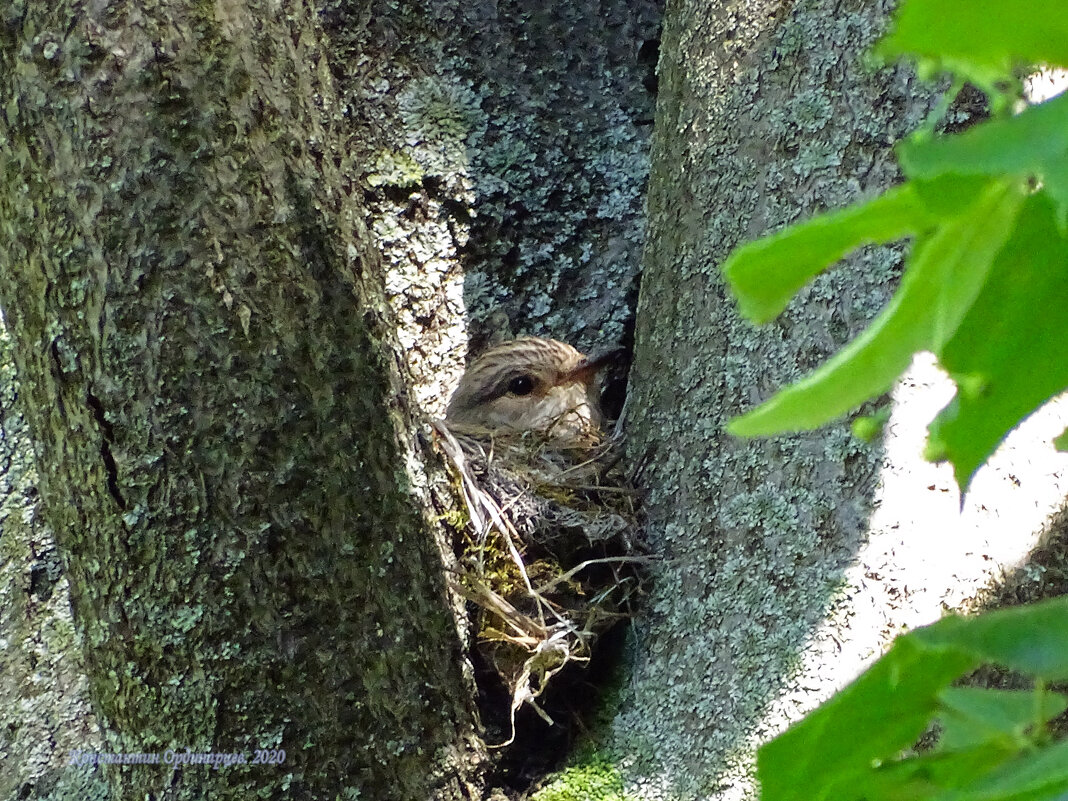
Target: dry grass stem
[{"x": 549, "y": 559}]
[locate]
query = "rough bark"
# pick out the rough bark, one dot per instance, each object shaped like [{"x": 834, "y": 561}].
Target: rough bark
[
  {"x": 788, "y": 564},
  {"x": 505, "y": 168},
  {"x": 223, "y": 437},
  {"x": 766, "y": 114},
  {"x": 44, "y": 704}
]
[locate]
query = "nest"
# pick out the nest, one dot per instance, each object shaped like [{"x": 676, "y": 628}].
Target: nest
[{"x": 550, "y": 557}]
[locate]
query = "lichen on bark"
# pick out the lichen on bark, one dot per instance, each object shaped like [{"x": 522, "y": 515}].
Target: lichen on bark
[
  {"x": 768, "y": 113},
  {"x": 505, "y": 168},
  {"x": 227, "y": 455},
  {"x": 44, "y": 706}
]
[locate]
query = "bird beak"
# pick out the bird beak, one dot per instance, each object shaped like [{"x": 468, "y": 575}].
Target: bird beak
[{"x": 589, "y": 367}]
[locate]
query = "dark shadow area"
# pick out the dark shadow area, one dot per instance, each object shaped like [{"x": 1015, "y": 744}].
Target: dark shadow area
[{"x": 576, "y": 702}]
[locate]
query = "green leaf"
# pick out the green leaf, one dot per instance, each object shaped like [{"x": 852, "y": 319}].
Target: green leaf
[
  {"x": 972, "y": 716},
  {"x": 764, "y": 275},
  {"x": 870, "y": 427},
  {"x": 946, "y": 271},
  {"x": 1060, "y": 442},
  {"x": 991, "y": 35},
  {"x": 927, "y": 775},
  {"x": 1031, "y": 639},
  {"x": 1033, "y": 143},
  {"x": 880, "y": 713},
  {"x": 849, "y": 748},
  {"x": 1041, "y": 775},
  {"x": 949, "y": 195},
  {"x": 1010, "y": 353}
]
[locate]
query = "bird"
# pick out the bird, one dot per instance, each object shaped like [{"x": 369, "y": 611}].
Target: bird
[{"x": 530, "y": 384}]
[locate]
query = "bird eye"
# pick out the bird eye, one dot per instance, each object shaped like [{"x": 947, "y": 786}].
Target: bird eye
[{"x": 521, "y": 385}]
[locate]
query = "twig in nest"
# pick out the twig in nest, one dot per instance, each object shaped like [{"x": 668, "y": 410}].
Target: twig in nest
[{"x": 542, "y": 487}]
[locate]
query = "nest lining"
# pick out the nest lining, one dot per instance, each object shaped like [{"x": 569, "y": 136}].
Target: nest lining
[{"x": 550, "y": 557}]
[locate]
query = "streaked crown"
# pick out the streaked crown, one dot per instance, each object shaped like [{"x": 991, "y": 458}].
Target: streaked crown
[{"x": 529, "y": 384}]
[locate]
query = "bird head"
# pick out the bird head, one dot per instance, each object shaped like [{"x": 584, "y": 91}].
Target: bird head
[{"x": 530, "y": 384}]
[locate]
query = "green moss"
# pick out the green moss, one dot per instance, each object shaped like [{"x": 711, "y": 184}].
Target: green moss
[
  {"x": 598, "y": 780},
  {"x": 455, "y": 519},
  {"x": 395, "y": 168},
  {"x": 57, "y": 633}
]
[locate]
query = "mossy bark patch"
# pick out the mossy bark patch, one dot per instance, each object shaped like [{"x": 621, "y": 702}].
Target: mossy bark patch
[{"x": 221, "y": 427}]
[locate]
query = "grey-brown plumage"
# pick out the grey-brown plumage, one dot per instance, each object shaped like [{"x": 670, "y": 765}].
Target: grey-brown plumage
[{"x": 529, "y": 384}]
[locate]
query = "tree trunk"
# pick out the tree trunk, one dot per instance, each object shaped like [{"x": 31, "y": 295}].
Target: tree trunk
[
  {"x": 787, "y": 564},
  {"x": 225, "y": 450},
  {"x": 766, "y": 114},
  {"x": 227, "y": 457},
  {"x": 44, "y": 708}
]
